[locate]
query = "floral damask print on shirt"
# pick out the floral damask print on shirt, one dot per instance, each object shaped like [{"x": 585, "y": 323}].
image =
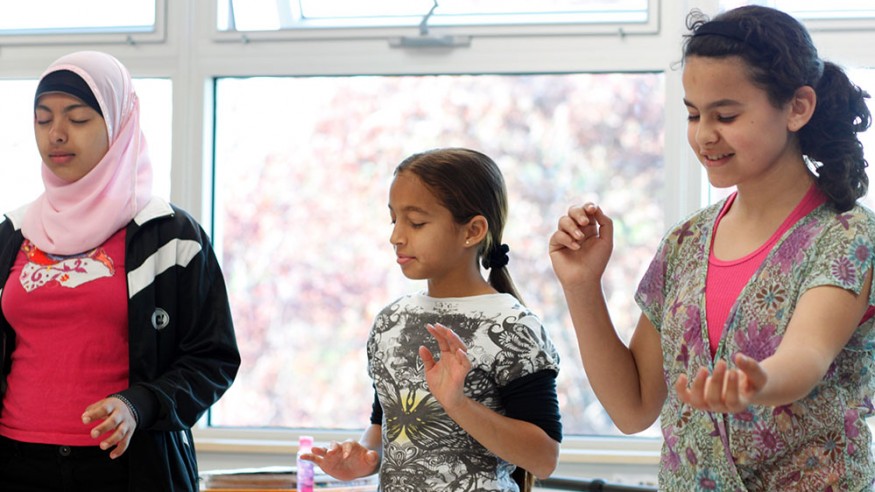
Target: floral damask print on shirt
[{"x": 67, "y": 271}]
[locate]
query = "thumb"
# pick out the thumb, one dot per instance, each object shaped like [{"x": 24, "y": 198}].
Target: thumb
[
  {"x": 752, "y": 370},
  {"x": 372, "y": 457},
  {"x": 606, "y": 225}
]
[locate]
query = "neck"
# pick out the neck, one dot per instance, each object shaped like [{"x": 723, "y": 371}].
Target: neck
[
  {"x": 471, "y": 284},
  {"x": 773, "y": 197}
]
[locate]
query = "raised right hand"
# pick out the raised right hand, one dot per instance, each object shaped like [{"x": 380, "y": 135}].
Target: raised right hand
[
  {"x": 347, "y": 460},
  {"x": 582, "y": 244}
]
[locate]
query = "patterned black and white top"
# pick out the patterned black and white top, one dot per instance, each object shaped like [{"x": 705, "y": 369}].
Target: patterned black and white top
[{"x": 423, "y": 448}]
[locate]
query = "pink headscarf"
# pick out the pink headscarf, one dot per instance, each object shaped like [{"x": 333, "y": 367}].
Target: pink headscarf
[{"x": 71, "y": 218}]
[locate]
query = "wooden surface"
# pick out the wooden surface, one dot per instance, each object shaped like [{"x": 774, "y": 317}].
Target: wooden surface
[
  {"x": 276, "y": 479},
  {"x": 356, "y": 488}
]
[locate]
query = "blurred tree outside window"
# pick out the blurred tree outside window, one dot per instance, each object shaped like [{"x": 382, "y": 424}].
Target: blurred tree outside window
[{"x": 303, "y": 167}]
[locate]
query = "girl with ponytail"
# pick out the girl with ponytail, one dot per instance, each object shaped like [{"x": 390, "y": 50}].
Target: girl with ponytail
[{"x": 484, "y": 414}]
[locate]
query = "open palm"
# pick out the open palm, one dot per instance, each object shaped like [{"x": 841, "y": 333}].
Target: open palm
[{"x": 446, "y": 375}]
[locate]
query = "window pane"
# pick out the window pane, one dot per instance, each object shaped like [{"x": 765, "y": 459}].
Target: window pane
[
  {"x": 303, "y": 167},
  {"x": 259, "y": 15},
  {"x": 90, "y": 16},
  {"x": 814, "y": 9},
  {"x": 20, "y": 166},
  {"x": 386, "y": 8}
]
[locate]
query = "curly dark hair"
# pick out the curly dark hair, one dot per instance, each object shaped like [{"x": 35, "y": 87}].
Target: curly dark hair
[{"x": 781, "y": 58}]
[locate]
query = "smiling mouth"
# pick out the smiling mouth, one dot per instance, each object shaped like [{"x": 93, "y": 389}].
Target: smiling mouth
[{"x": 716, "y": 157}]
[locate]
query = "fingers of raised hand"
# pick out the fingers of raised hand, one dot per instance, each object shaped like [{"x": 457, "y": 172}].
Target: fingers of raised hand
[
  {"x": 439, "y": 333},
  {"x": 731, "y": 395},
  {"x": 348, "y": 447},
  {"x": 720, "y": 391},
  {"x": 569, "y": 231},
  {"x": 453, "y": 339},
  {"x": 447, "y": 339},
  {"x": 463, "y": 360},
  {"x": 714, "y": 386},
  {"x": 582, "y": 214},
  {"x": 320, "y": 455},
  {"x": 692, "y": 393},
  {"x": 314, "y": 454}
]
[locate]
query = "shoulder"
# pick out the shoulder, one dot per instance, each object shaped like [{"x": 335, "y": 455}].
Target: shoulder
[
  {"x": 833, "y": 226},
  {"x": 513, "y": 307},
  {"x": 691, "y": 229},
  {"x": 14, "y": 218},
  {"x": 167, "y": 220},
  {"x": 403, "y": 302},
  {"x": 10, "y": 228},
  {"x": 697, "y": 221}
]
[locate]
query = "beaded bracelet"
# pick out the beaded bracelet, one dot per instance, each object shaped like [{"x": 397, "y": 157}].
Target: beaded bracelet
[{"x": 129, "y": 405}]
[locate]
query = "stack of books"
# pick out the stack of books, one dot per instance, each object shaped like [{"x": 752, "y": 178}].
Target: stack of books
[{"x": 278, "y": 478}]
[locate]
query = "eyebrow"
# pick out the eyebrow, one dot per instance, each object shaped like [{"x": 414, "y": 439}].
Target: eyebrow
[
  {"x": 66, "y": 109},
  {"x": 721, "y": 103},
  {"x": 411, "y": 208}
]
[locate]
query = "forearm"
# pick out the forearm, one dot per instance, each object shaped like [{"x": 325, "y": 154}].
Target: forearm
[
  {"x": 824, "y": 320},
  {"x": 610, "y": 365},
  {"x": 521, "y": 443},
  {"x": 372, "y": 438},
  {"x": 791, "y": 376}
]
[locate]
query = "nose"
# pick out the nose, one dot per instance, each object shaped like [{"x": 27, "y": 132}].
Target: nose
[
  {"x": 705, "y": 134},
  {"x": 57, "y": 133},
  {"x": 395, "y": 237}
]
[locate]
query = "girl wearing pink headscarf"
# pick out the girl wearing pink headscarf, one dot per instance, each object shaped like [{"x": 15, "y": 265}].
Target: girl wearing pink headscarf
[{"x": 115, "y": 329}]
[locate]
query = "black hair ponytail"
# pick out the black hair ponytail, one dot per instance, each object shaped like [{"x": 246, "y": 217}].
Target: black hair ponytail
[{"x": 830, "y": 140}]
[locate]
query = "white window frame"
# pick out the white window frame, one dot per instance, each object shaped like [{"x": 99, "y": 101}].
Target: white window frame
[
  {"x": 102, "y": 36},
  {"x": 407, "y": 27}
]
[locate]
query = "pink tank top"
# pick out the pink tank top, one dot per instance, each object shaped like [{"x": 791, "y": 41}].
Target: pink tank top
[{"x": 726, "y": 279}]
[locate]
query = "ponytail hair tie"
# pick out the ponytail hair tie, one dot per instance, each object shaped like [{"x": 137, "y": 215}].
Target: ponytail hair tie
[{"x": 497, "y": 257}]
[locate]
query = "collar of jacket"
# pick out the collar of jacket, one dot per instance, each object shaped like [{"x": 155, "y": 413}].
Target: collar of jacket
[{"x": 156, "y": 208}]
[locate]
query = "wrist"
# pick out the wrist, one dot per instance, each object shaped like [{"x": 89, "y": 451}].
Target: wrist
[
  {"x": 129, "y": 405},
  {"x": 456, "y": 405}
]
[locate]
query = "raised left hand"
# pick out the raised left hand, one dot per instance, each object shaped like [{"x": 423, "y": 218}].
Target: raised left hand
[{"x": 446, "y": 376}]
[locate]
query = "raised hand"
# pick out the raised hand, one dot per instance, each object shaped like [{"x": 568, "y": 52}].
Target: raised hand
[
  {"x": 446, "y": 376},
  {"x": 725, "y": 390},
  {"x": 582, "y": 244},
  {"x": 347, "y": 460}
]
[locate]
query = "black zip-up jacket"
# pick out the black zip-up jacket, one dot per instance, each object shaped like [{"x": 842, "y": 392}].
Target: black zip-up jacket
[{"x": 183, "y": 352}]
